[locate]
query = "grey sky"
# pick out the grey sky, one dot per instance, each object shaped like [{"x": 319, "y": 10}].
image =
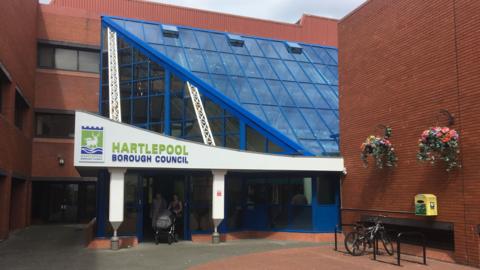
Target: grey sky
[{"x": 277, "y": 10}]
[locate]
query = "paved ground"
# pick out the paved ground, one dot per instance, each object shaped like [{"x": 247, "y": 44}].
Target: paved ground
[{"x": 61, "y": 247}]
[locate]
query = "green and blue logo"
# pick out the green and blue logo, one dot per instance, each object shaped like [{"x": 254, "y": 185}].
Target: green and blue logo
[{"x": 92, "y": 144}]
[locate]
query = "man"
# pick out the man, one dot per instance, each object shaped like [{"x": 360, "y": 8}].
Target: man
[{"x": 158, "y": 205}]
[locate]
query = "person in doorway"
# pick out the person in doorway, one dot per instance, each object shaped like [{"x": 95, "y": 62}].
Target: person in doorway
[
  {"x": 176, "y": 206},
  {"x": 158, "y": 206}
]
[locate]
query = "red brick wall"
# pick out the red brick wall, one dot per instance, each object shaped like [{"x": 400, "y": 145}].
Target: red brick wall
[
  {"x": 400, "y": 62},
  {"x": 18, "y": 55}
]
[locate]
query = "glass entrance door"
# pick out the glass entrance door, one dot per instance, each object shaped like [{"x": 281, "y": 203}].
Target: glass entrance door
[{"x": 63, "y": 203}]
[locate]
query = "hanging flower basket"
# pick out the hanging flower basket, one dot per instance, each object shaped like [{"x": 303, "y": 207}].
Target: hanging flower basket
[
  {"x": 439, "y": 143},
  {"x": 380, "y": 149}
]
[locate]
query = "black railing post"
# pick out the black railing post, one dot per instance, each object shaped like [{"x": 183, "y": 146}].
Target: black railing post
[
  {"x": 336, "y": 245},
  {"x": 424, "y": 250},
  {"x": 398, "y": 249}
]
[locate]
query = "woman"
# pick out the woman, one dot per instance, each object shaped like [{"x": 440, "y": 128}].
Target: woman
[
  {"x": 158, "y": 205},
  {"x": 176, "y": 206}
]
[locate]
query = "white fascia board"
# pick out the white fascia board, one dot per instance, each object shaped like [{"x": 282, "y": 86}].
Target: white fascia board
[{"x": 105, "y": 142}]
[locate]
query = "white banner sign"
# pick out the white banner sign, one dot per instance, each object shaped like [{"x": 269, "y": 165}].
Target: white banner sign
[{"x": 100, "y": 142}]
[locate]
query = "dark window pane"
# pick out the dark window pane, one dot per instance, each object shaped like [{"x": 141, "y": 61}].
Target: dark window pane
[
  {"x": 126, "y": 111},
  {"x": 66, "y": 59},
  {"x": 125, "y": 73},
  {"x": 124, "y": 56},
  {"x": 139, "y": 110},
  {"x": 255, "y": 141},
  {"x": 157, "y": 87},
  {"x": 192, "y": 129},
  {"x": 88, "y": 61},
  {"x": 140, "y": 71},
  {"x": 55, "y": 125},
  {"x": 21, "y": 108},
  {"x": 45, "y": 56},
  {"x": 140, "y": 88},
  {"x": 157, "y": 127},
  {"x": 156, "y": 70},
  {"x": 176, "y": 85},
  {"x": 211, "y": 109},
  {"x": 231, "y": 125},
  {"x": 157, "y": 110},
  {"x": 232, "y": 141},
  {"x": 176, "y": 108},
  {"x": 326, "y": 189},
  {"x": 274, "y": 148},
  {"x": 125, "y": 90}
]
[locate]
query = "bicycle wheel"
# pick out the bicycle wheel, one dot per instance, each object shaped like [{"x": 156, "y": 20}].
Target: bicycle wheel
[
  {"x": 387, "y": 244},
  {"x": 354, "y": 243}
]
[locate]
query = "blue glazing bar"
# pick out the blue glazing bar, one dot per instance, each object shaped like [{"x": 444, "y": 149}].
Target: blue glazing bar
[
  {"x": 243, "y": 136},
  {"x": 167, "y": 130}
]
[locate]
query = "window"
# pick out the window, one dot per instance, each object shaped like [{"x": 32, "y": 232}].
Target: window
[
  {"x": 54, "y": 125},
  {"x": 326, "y": 189},
  {"x": 68, "y": 58},
  {"x": 4, "y": 83},
  {"x": 21, "y": 108}
]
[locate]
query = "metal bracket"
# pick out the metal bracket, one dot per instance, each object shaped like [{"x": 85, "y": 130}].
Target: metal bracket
[
  {"x": 113, "y": 77},
  {"x": 201, "y": 115}
]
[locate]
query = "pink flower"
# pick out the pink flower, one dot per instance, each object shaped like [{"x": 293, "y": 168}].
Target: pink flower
[{"x": 445, "y": 130}]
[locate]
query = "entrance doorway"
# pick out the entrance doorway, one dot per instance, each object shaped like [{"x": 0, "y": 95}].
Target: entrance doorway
[{"x": 166, "y": 185}]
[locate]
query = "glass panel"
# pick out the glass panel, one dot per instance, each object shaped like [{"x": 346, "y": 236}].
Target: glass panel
[
  {"x": 329, "y": 95},
  {"x": 298, "y": 123},
  {"x": 311, "y": 54},
  {"x": 204, "y": 76},
  {"x": 140, "y": 88},
  {"x": 255, "y": 141},
  {"x": 315, "y": 98},
  {"x": 195, "y": 59},
  {"x": 233, "y": 68},
  {"x": 140, "y": 71},
  {"x": 281, "y": 70},
  {"x": 231, "y": 125},
  {"x": 176, "y": 85},
  {"x": 274, "y": 148},
  {"x": 192, "y": 129},
  {"x": 300, "y": 56},
  {"x": 204, "y": 41},
  {"x": 312, "y": 146},
  {"x": 262, "y": 92},
  {"x": 176, "y": 108},
  {"x": 214, "y": 63},
  {"x": 45, "y": 56},
  {"x": 201, "y": 201},
  {"x": 177, "y": 55},
  {"x": 324, "y": 56},
  {"x": 334, "y": 54},
  {"x": 212, "y": 109},
  {"x": 135, "y": 28},
  {"x": 327, "y": 74},
  {"x": 331, "y": 119},
  {"x": 153, "y": 33},
  {"x": 157, "y": 111},
  {"x": 88, "y": 61},
  {"x": 248, "y": 66},
  {"x": 216, "y": 124},
  {"x": 256, "y": 110},
  {"x": 312, "y": 73},
  {"x": 156, "y": 70},
  {"x": 55, "y": 125},
  {"x": 319, "y": 129},
  {"x": 334, "y": 71},
  {"x": 265, "y": 68},
  {"x": 66, "y": 59},
  {"x": 124, "y": 56},
  {"x": 282, "y": 50},
  {"x": 232, "y": 141},
  {"x": 139, "y": 110},
  {"x": 330, "y": 146},
  {"x": 280, "y": 93},
  {"x": 157, "y": 87},
  {"x": 252, "y": 47},
  {"x": 221, "y": 83},
  {"x": 276, "y": 119},
  {"x": 171, "y": 40},
  {"x": 125, "y": 90},
  {"x": 157, "y": 127},
  {"x": 188, "y": 38},
  {"x": 297, "y": 72},
  {"x": 297, "y": 94},
  {"x": 267, "y": 48},
  {"x": 125, "y": 73},
  {"x": 221, "y": 42},
  {"x": 176, "y": 129},
  {"x": 243, "y": 90},
  {"x": 126, "y": 111},
  {"x": 326, "y": 190},
  {"x": 138, "y": 56}
]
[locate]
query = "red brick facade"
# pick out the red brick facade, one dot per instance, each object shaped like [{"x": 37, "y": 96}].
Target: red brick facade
[
  {"x": 400, "y": 63},
  {"x": 18, "y": 57}
]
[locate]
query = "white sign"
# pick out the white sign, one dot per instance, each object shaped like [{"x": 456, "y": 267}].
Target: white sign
[{"x": 101, "y": 142}]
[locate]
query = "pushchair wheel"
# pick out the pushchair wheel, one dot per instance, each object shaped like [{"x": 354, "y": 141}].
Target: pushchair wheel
[
  {"x": 156, "y": 239},
  {"x": 170, "y": 239},
  {"x": 176, "y": 237}
]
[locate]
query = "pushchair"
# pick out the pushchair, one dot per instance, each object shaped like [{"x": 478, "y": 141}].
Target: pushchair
[{"x": 165, "y": 226}]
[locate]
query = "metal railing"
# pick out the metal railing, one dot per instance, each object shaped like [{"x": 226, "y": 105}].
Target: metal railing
[{"x": 424, "y": 245}]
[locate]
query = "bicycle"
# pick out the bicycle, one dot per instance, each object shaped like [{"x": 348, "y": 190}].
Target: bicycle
[{"x": 357, "y": 240}]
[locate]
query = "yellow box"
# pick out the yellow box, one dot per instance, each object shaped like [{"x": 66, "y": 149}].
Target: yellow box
[{"x": 426, "y": 205}]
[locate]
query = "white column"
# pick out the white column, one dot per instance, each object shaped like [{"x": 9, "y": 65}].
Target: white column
[
  {"x": 117, "y": 184},
  {"x": 218, "y": 201}
]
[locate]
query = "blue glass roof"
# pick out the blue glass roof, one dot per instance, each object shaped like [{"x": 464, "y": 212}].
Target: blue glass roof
[{"x": 295, "y": 93}]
